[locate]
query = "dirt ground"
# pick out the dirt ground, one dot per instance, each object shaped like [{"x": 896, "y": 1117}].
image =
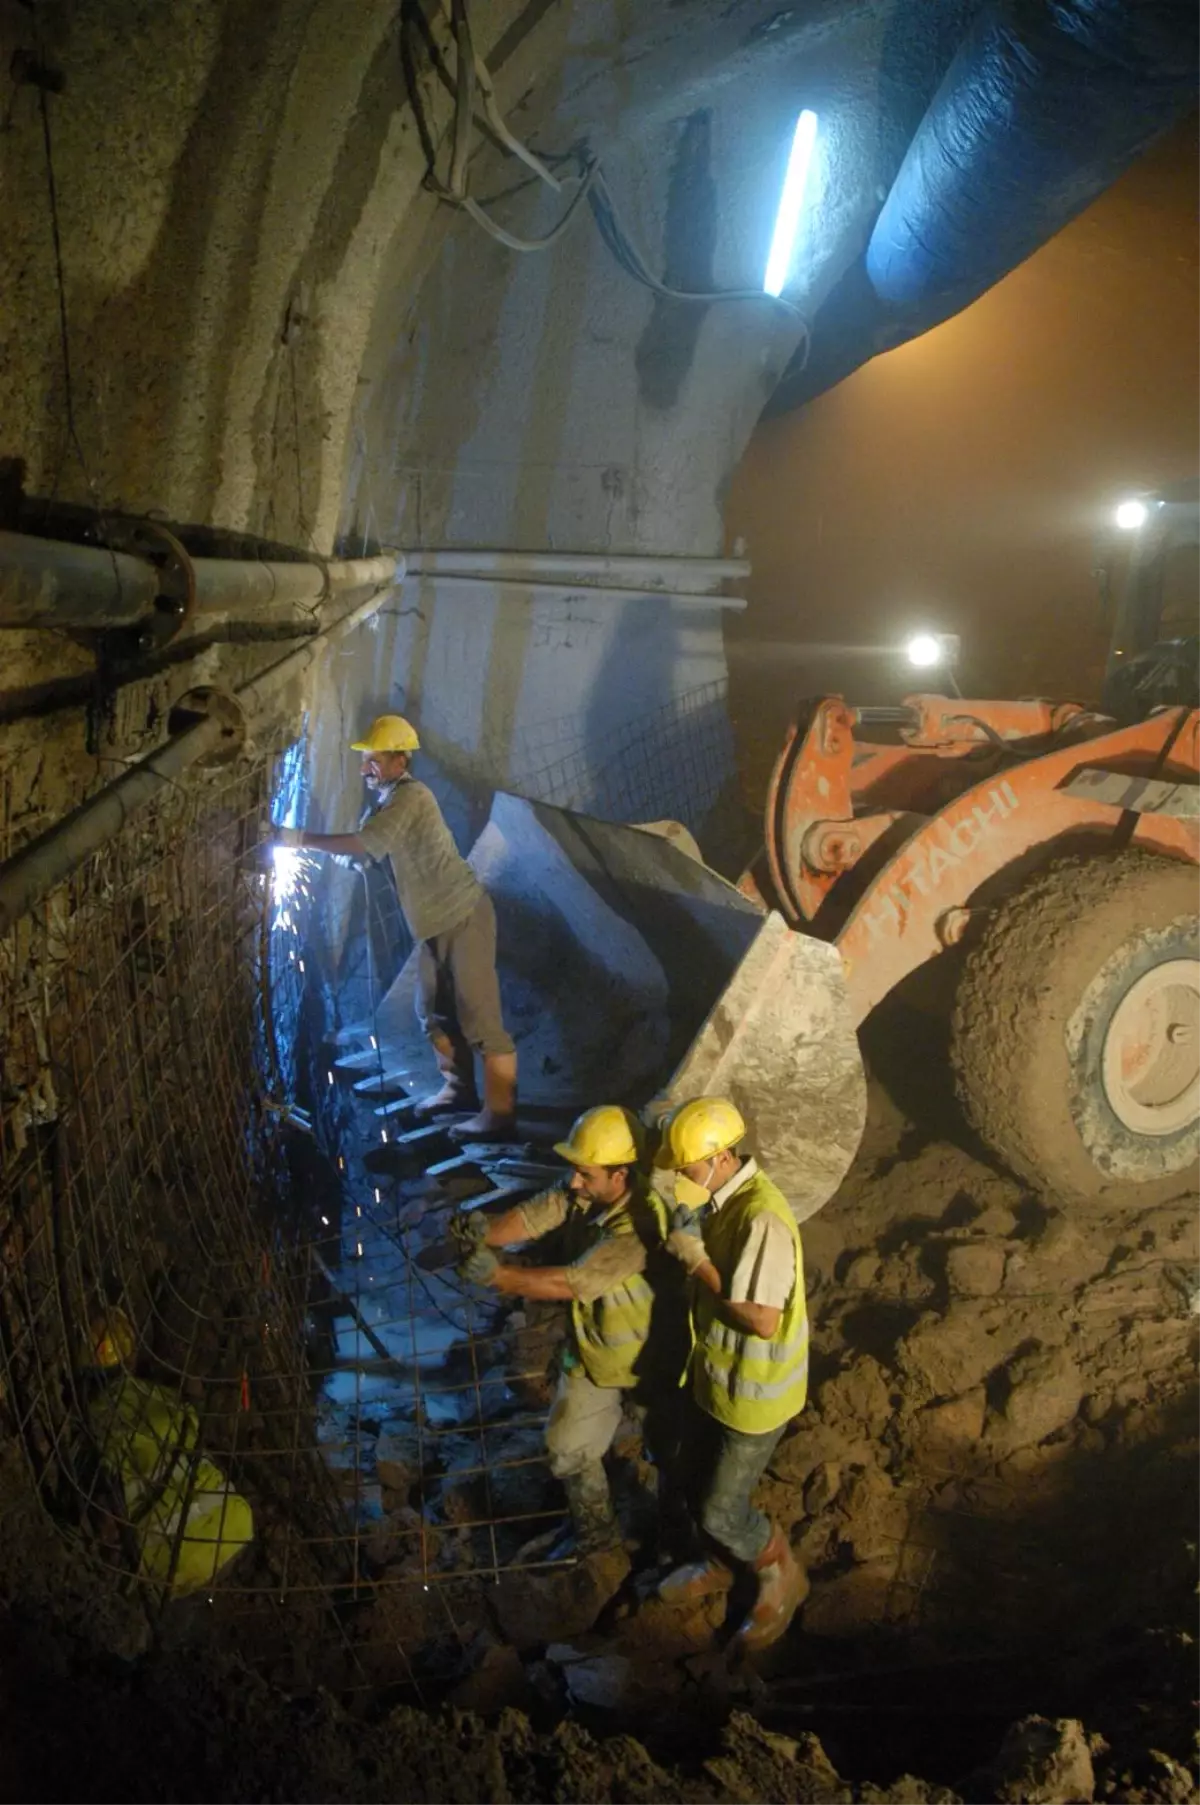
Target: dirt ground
[{"x": 993, "y": 1488}]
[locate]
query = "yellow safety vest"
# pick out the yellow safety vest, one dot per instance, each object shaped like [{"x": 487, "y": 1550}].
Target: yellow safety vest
[
  {"x": 748, "y": 1382},
  {"x": 611, "y": 1331},
  {"x": 187, "y": 1519}
]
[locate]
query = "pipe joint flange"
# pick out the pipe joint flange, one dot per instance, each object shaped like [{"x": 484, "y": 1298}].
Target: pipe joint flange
[
  {"x": 205, "y": 703},
  {"x": 174, "y": 604}
]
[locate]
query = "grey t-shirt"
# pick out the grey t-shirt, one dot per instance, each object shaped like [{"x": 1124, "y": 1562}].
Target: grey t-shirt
[{"x": 436, "y": 886}]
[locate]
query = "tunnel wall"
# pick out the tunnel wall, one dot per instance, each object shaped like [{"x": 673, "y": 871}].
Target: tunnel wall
[
  {"x": 559, "y": 425},
  {"x": 273, "y": 322}
]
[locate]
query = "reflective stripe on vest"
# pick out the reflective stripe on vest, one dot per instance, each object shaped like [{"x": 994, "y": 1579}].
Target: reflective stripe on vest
[
  {"x": 749, "y": 1382},
  {"x": 611, "y": 1330}
]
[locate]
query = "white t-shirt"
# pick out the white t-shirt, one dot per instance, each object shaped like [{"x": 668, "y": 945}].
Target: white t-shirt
[{"x": 766, "y": 1266}]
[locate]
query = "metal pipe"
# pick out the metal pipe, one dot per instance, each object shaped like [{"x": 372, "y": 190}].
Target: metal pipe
[
  {"x": 50, "y": 583},
  {"x": 224, "y": 583},
  {"x": 671, "y": 576},
  {"x": 527, "y": 586},
  {"x": 278, "y": 596},
  {"x": 55, "y": 854},
  {"x": 44, "y": 583}
]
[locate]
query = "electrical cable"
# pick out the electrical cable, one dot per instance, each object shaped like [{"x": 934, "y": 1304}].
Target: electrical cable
[
  {"x": 631, "y": 259},
  {"x": 596, "y": 191},
  {"x": 998, "y": 740},
  {"x": 464, "y": 98},
  {"x": 511, "y": 240},
  {"x": 592, "y": 186},
  {"x": 72, "y": 429}
]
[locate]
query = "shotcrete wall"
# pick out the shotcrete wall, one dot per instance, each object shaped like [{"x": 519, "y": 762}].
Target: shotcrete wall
[
  {"x": 275, "y": 327},
  {"x": 548, "y": 402}
]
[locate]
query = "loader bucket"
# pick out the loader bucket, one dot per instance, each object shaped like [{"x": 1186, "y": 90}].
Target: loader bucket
[
  {"x": 780, "y": 1041},
  {"x": 632, "y": 972}
]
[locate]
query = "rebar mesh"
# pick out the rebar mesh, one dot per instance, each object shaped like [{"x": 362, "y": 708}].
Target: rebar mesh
[
  {"x": 235, "y": 1364},
  {"x": 213, "y": 1315},
  {"x": 153, "y": 1308},
  {"x": 673, "y": 763}
]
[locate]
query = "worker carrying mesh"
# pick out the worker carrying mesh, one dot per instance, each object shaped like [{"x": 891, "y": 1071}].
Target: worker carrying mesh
[
  {"x": 452, "y": 919},
  {"x": 627, "y": 1345},
  {"x": 733, "y": 1233}
]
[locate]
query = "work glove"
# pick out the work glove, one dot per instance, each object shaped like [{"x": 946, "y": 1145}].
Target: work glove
[
  {"x": 687, "y": 1245},
  {"x": 688, "y": 1218},
  {"x": 480, "y": 1267},
  {"x": 291, "y": 837},
  {"x": 467, "y": 1231}
]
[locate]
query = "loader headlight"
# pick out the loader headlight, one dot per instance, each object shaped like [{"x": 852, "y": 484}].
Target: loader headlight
[
  {"x": 932, "y": 651},
  {"x": 1131, "y": 514}
]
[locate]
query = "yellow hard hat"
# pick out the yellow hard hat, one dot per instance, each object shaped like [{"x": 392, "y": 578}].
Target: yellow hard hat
[
  {"x": 388, "y": 733},
  {"x": 607, "y": 1136},
  {"x": 698, "y": 1129},
  {"x": 110, "y": 1340}
]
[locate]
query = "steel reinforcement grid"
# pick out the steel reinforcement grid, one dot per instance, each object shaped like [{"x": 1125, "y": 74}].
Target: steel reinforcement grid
[
  {"x": 169, "y": 1258},
  {"x": 154, "y": 1298},
  {"x": 234, "y": 1383}
]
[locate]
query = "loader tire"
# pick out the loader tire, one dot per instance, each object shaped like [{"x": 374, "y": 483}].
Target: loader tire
[{"x": 1076, "y": 1032}]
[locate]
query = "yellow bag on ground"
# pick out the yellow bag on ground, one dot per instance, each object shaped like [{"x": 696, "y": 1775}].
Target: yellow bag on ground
[{"x": 188, "y": 1520}]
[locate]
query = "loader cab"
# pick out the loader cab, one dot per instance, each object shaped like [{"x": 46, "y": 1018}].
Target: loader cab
[{"x": 1151, "y": 579}]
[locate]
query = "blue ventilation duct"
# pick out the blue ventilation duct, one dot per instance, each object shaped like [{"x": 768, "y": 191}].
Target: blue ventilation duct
[{"x": 1044, "y": 105}]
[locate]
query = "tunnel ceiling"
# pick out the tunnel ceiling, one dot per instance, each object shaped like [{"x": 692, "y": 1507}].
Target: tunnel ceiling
[{"x": 238, "y": 189}]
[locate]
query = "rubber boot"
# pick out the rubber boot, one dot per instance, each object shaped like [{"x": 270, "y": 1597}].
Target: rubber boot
[
  {"x": 458, "y": 1074},
  {"x": 592, "y": 1515},
  {"x": 497, "y": 1120},
  {"x": 695, "y": 1582},
  {"x": 782, "y": 1588}
]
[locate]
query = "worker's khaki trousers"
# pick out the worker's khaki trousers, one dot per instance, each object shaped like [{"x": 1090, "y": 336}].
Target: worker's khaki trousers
[
  {"x": 583, "y": 1421},
  {"x": 458, "y": 993},
  {"x": 584, "y": 1418}
]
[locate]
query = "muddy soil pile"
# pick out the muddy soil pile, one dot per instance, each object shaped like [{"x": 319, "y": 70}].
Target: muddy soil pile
[{"x": 1003, "y": 1403}]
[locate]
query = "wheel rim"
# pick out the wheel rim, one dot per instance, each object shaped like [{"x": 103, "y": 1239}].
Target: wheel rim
[{"x": 1152, "y": 1051}]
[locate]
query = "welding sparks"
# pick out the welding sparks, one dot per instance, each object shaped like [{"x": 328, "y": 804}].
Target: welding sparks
[
  {"x": 291, "y": 884},
  {"x": 291, "y": 880}
]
